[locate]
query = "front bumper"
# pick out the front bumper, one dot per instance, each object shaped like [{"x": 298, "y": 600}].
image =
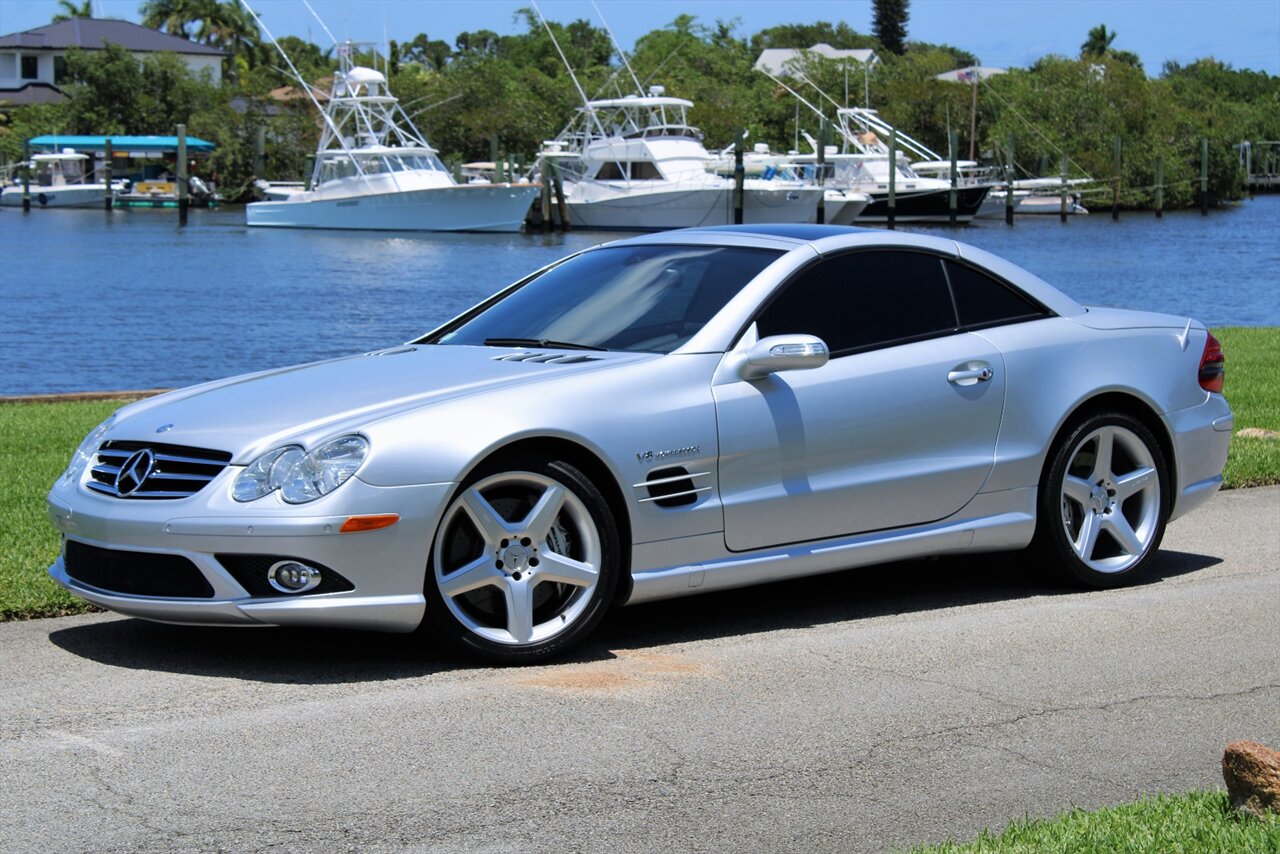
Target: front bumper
[{"x": 386, "y": 567}]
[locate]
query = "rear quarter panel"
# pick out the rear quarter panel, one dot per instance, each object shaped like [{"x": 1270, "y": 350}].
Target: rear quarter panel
[{"x": 1057, "y": 365}]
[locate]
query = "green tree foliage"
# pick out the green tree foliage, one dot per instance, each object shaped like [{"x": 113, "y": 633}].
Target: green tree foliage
[
  {"x": 68, "y": 9},
  {"x": 889, "y": 23},
  {"x": 518, "y": 88}
]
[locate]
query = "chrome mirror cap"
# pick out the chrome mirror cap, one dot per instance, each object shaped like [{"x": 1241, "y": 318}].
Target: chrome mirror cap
[{"x": 784, "y": 353}]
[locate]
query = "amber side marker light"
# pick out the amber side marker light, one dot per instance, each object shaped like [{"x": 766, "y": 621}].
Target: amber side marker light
[{"x": 360, "y": 524}]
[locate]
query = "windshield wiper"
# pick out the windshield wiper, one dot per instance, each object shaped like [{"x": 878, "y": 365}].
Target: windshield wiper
[{"x": 539, "y": 342}]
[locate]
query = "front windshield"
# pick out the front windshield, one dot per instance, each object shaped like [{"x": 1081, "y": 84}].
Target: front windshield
[{"x": 643, "y": 298}]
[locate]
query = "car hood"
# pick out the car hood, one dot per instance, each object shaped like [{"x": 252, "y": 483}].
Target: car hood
[{"x": 249, "y": 414}]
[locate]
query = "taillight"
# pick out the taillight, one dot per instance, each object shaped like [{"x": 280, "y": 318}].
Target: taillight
[{"x": 1211, "y": 365}]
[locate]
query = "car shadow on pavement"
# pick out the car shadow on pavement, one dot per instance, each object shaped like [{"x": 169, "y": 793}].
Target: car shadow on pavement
[{"x": 334, "y": 656}]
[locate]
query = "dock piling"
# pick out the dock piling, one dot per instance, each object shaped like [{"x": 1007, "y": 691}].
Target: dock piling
[
  {"x": 544, "y": 196},
  {"x": 1008, "y": 183},
  {"x": 558, "y": 186},
  {"x": 739, "y": 174},
  {"x": 1204, "y": 176},
  {"x": 182, "y": 175},
  {"x": 893, "y": 174},
  {"x": 953, "y": 142},
  {"x": 1062, "y": 210},
  {"x": 26, "y": 176},
  {"x": 1116, "y": 178},
  {"x": 822, "y": 164},
  {"x": 1160, "y": 187},
  {"x": 260, "y": 154},
  {"x": 107, "y": 201}
]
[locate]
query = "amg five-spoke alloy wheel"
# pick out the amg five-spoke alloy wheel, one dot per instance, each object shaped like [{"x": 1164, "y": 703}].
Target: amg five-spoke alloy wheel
[
  {"x": 525, "y": 562},
  {"x": 1104, "y": 504}
]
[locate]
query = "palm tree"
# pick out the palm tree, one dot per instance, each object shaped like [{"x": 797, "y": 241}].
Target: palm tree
[
  {"x": 228, "y": 26},
  {"x": 1099, "y": 41},
  {"x": 69, "y": 9},
  {"x": 174, "y": 16}
]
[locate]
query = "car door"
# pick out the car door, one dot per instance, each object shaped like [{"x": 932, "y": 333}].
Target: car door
[{"x": 897, "y": 429}]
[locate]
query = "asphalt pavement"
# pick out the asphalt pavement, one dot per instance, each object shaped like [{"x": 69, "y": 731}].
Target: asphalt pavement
[{"x": 864, "y": 711}]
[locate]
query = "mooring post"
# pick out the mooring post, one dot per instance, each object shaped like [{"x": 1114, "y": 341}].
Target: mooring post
[
  {"x": 1008, "y": 183},
  {"x": 1160, "y": 186},
  {"x": 309, "y": 175},
  {"x": 893, "y": 176},
  {"x": 561, "y": 204},
  {"x": 953, "y": 142},
  {"x": 260, "y": 154},
  {"x": 739, "y": 175},
  {"x": 182, "y": 174},
  {"x": 544, "y": 195},
  {"x": 1115, "y": 181},
  {"x": 1248, "y": 169},
  {"x": 106, "y": 174},
  {"x": 26, "y": 176},
  {"x": 1062, "y": 211},
  {"x": 1204, "y": 176},
  {"x": 822, "y": 165}
]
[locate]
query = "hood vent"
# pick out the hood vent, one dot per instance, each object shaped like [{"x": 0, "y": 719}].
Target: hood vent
[
  {"x": 672, "y": 486},
  {"x": 393, "y": 351},
  {"x": 547, "y": 358}
]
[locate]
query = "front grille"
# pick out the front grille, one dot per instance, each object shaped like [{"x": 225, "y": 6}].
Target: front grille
[
  {"x": 250, "y": 571},
  {"x": 175, "y": 471},
  {"x": 136, "y": 573}
]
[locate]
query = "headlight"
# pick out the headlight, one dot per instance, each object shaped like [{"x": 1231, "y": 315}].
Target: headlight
[
  {"x": 84, "y": 454},
  {"x": 301, "y": 476}
]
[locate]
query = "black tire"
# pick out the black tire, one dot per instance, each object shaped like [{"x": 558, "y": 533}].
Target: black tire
[
  {"x": 1103, "y": 502},
  {"x": 524, "y": 564}
]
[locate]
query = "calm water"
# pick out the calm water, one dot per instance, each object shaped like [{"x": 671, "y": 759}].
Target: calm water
[{"x": 96, "y": 301}]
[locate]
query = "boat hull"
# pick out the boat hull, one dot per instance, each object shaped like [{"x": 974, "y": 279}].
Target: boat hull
[
  {"x": 929, "y": 206},
  {"x": 82, "y": 196},
  {"x": 465, "y": 207},
  {"x": 704, "y": 206}
]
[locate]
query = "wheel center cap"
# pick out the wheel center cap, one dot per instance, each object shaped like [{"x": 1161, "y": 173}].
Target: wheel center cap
[
  {"x": 515, "y": 557},
  {"x": 1098, "y": 499}
]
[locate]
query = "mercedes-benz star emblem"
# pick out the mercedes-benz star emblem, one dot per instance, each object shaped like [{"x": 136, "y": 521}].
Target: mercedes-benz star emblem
[{"x": 134, "y": 472}]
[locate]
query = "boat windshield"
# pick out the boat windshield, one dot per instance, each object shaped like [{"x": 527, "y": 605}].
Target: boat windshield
[
  {"x": 640, "y": 298},
  {"x": 376, "y": 162}
]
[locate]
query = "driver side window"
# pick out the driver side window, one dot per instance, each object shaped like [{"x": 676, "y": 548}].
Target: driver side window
[{"x": 864, "y": 300}]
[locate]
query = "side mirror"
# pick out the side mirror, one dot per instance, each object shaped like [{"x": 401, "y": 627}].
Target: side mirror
[{"x": 784, "y": 353}]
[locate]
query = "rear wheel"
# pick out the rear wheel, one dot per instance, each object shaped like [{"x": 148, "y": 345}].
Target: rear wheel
[
  {"x": 1104, "y": 504},
  {"x": 525, "y": 562}
]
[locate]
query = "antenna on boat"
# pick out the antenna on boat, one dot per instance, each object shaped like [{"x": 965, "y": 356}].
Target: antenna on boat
[
  {"x": 567, "y": 66},
  {"x": 618, "y": 48},
  {"x": 319, "y": 21},
  {"x": 306, "y": 87}
]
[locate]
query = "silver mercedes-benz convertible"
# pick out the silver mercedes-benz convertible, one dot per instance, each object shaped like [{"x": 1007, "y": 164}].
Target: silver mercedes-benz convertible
[{"x": 666, "y": 415}]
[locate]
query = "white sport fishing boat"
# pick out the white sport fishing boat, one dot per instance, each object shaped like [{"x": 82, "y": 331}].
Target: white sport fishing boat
[
  {"x": 635, "y": 163},
  {"x": 61, "y": 181},
  {"x": 375, "y": 171}
]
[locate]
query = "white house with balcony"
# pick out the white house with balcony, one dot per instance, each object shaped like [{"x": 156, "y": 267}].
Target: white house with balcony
[{"x": 33, "y": 63}]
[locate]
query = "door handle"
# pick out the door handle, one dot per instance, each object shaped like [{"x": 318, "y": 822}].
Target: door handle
[{"x": 970, "y": 376}]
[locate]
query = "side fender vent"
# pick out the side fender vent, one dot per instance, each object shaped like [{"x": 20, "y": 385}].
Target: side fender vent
[{"x": 673, "y": 486}]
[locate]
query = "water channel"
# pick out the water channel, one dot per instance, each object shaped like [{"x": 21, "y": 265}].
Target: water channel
[{"x": 91, "y": 300}]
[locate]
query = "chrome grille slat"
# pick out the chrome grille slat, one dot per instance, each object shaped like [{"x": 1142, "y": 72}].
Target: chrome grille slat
[
  {"x": 175, "y": 471},
  {"x": 672, "y": 495}
]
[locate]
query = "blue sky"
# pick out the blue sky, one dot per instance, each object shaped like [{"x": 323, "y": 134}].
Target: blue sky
[{"x": 1244, "y": 33}]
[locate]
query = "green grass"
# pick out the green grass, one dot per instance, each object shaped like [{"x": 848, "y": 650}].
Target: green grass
[
  {"x": 1194, "y": 823},
  {"x": 1253, "y": 390},
  {"x": 36, "y": 441}
]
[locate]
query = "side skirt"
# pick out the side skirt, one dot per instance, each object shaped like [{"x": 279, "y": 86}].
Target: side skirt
[{"x": 1008, "y": 523}]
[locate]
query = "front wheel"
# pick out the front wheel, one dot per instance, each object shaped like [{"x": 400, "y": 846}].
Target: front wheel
[
  {"x": 1104, "y": 503},
  {"x": 525, "y": 562}
]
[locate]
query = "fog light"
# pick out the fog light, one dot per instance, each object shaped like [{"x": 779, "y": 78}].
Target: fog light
[{"x": 289, "y": 576}]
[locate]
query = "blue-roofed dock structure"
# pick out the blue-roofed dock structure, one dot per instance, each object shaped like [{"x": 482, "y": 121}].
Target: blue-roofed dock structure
[{"x": 147, "y": 161}]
